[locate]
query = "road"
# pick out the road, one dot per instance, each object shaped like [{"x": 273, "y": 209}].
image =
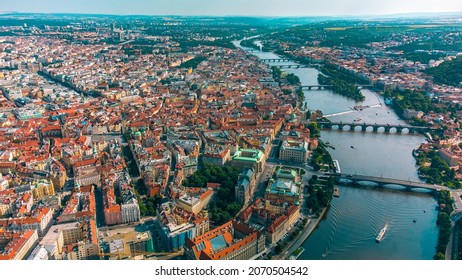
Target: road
[
  {"x": 456, "y": 195},
  {"x": 100, "y": 219},
  {"x": 262, "y": 181}
]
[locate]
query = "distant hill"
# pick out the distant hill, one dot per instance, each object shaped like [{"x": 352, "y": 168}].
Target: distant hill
[{"x": 448, "y": 72}]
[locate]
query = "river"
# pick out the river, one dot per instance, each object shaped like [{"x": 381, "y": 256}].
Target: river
[{"x": 348, "y": 230}]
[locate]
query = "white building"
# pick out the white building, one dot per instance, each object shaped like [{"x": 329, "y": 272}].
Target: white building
[
  {"x": 71, "y": 241},
  {"x": 130, "y": 211},
  {"x": 39, "y": 253},
  {"x": 295, "y": 150}
]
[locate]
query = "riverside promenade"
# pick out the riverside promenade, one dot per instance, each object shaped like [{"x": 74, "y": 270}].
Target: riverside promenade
[{"x": 299, "y": 239}]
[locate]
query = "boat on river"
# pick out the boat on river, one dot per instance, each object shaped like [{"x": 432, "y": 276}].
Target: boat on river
[
  {"x": 336, "y": 192},
  {"x": 337, "y": 166},
  {"x": 381, "y": 233}
]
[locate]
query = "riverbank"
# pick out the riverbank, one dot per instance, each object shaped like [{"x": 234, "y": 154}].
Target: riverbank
[
  {"x": 290, "y": 80},
  {"x": 300, "y": 239},
  {"x": 393, "y": 159}
]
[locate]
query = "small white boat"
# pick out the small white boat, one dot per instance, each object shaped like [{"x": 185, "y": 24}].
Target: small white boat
[{"x": 381, "y": 233}]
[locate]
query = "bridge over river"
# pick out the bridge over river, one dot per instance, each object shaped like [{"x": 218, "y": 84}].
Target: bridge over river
[
  {"x": 321, "y": 87},
  {"x": 355, "y": 178},
  {"x": 275, "y": 60},
  {"x": 399, "y": 128},
  {"x": 409, "y": 185}
]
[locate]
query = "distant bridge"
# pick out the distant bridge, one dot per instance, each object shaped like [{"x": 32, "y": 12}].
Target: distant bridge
[
  {"x": 355, "y": 179},
  {"x": 320, "y": 87},
  {"x": 275, "y": 60},
  {"x": 293, "y": 66},
  {"x": 375, "y": 127},
  {"x": 315, "y": 87}
]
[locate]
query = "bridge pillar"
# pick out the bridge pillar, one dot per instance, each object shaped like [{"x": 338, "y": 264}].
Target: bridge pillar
[
  {"x": 352, "y": 127},
  {"x": 363, "y": 127},
  {"x": 309, "y": 88},
  {"x": 375, "y": 128},
  {"x": 387, "y": 129},
  {"x": 340, "y": 126},
  {"x": 399, "y": 129},
  {"x": 411, "y": 130}
]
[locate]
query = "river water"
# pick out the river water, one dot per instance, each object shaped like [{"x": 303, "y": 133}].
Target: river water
[{"x": 348, "y": 230}]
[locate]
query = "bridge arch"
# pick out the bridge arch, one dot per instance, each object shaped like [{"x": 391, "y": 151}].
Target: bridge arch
[
  {"x": 386, "y": 128},
  {"x": 406, "y": 130}
]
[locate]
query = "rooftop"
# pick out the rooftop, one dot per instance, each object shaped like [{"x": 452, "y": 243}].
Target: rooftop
[{"x": 248, "y": 155}]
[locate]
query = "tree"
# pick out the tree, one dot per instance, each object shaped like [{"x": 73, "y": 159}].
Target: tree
[
  {"x": 292, "y": 79},
  {"x": 194, "y": 87},
  {"x": 140, "y": 187},
  {"x": 448, "y": 72},
  {"x": 143, "y": 209},
  {"x": 439, "y": 256},
  {"x": 225, "y": 206},
  {"x": 278, "y": 249},
  {"x": 314, "y": 129}
]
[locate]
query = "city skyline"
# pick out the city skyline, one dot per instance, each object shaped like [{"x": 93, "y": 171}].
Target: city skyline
[
  {"x": 238, "y": 137},
  {"x": 238, "y": 7}
]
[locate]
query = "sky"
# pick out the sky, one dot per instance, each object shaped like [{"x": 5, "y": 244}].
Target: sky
[{"x": 234, "y": 7}]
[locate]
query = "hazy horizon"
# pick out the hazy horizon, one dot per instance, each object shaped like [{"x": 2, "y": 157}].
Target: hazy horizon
[{"x": 258, "y": 8}]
